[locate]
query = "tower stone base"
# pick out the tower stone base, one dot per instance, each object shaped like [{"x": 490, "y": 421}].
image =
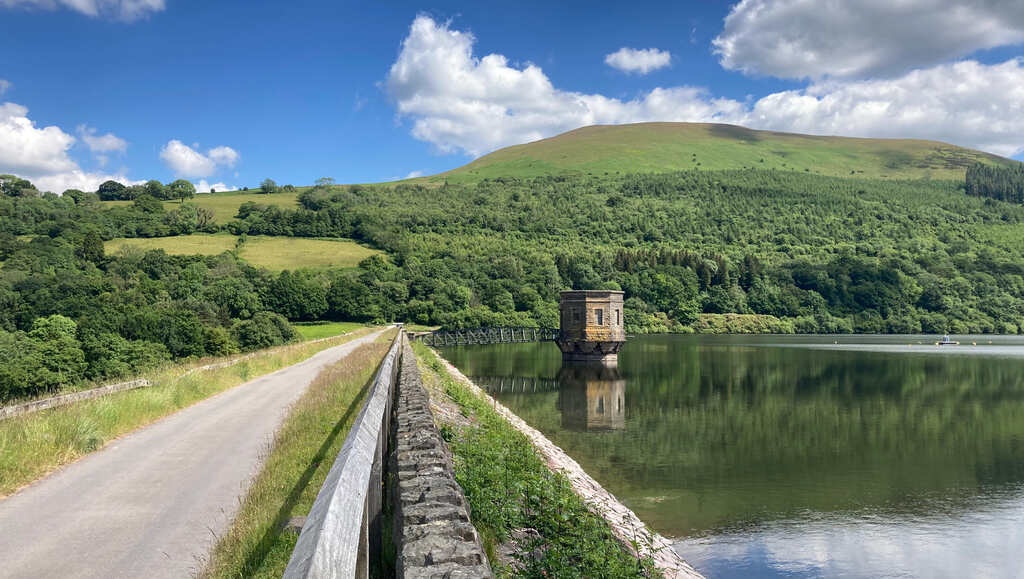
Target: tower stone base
[{"x": 576, "y": 351}]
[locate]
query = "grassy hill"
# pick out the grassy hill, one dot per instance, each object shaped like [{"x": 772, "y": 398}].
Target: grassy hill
[{"x": 666, "y": 147}]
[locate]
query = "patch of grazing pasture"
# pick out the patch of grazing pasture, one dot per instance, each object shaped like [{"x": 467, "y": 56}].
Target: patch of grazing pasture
[
  {"x": 273, "y": 253},
  {"x": 225, "y": 205}
]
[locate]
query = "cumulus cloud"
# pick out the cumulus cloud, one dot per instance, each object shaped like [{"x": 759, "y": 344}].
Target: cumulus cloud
[
  {"x": 107, "y": 143},
  {"x": 41, "y": 154},
  {"x": 101, "y": 145},
  {"x": 78, "y": 179},
  {"x": 225, "y": 156},
  {"x": 185, "y": 161},
  {"x": 462, "y": 103},
  {"x": 5, "y": 85},
  {"x": 414, "y": 174},
  {"x": 120, "y": 9},
  {"x": 640, "y": 61},
  {"x": 27, "y": 149},
  {"x": 838, "y": 39},
  {"x": 203, "y": 187},
  {"x": 966, "y": 103}
]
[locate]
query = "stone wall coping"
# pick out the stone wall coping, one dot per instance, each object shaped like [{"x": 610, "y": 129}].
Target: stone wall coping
[
  {"x": 433, "y": 533},
  {"x": 67, "y": 399}
]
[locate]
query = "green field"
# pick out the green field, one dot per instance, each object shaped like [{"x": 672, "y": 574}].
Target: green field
[
  {"x": 225, "y": 205},
  {"x": 273, "y": 253},
  {"x": 664, "y": 147},
  {"x": 319, "y": 330}
]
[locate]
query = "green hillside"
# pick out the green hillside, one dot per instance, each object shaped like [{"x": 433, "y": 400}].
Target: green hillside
[{"x": 667, "y": 147}]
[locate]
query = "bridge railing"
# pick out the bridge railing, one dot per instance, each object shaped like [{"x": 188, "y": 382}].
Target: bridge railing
[
  {"x": 501, "y": 335},
  {"x": 342, "y": 532},
  {"x": 516, "y": 383}
]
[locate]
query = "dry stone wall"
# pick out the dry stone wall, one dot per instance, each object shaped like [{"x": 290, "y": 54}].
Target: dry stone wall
[{"x": 433, "y": 533}]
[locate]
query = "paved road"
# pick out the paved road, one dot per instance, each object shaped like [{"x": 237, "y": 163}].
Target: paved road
[{"x": 150, "y": 505}]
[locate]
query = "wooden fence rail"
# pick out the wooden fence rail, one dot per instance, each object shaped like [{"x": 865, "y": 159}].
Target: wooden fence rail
[
  {"x": 488, "y": 336},
  {"x": 341, "y": 534}
]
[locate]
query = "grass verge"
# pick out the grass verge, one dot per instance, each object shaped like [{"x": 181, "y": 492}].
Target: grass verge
[
  {"x": 35, "y": 444},
  {"x": 509, "y": 487},
  {"x": 258, "y": 545},
  {"x": 319, "y": 330}
]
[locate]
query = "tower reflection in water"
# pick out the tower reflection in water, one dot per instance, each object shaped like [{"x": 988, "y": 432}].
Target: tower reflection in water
[{"x": 591, "y": 397}]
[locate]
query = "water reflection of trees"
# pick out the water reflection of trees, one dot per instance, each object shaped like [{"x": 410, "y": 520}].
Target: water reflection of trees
[{"x": 720, "y": 435}]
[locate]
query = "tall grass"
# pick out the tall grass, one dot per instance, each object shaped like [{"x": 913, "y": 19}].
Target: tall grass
[
  {"x": 258, "y": 545},
  {"x": 35, "y": 444}
]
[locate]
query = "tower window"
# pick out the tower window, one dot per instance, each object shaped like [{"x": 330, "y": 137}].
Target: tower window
[
  {"x": 618, "y": 317},
  {"x": 599, "y": 313}
]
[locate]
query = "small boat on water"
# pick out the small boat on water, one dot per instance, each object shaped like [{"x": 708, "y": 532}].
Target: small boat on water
[{"x": 945, "y": 341}]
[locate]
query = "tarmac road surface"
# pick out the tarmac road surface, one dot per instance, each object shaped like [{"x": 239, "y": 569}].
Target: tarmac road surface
[{"x": 152, "y": 504}]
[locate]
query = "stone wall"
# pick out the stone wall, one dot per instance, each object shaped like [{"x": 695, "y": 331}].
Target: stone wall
[
  {"x": 433, "y": 534},
  {"x": 68, "y": 399}
]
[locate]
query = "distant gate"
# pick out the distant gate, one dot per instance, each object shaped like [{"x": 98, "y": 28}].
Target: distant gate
[{"x": 488, "y": 336}]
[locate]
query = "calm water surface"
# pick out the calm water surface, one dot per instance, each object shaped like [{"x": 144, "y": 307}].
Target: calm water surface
[{"x": 795, "y": 456}]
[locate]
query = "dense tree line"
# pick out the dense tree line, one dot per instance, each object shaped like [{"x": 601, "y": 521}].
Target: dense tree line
[
  {"x": 1002, "y": 183},
  {"x": 69, "y": 312}
]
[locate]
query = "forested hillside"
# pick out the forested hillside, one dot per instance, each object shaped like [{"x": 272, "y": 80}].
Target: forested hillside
[
  {"x": 69, "y": 312},
  {"x": 825, "y": 254},
  {"x": 807, "y": 253}
]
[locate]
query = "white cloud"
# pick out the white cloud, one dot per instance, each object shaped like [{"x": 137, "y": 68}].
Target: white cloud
[
  {"x": 5, "y": 85},
  {"x": 459, "y": 102},
  {"x": 810, "y": 38},
  {"x": 640, "y": 61},
  {"x": 78, "y": 179},
  {"x": 224, "y": 156},
  {"x": 121, "y": 9},
  {"x": 185, "y": 161},
  {"x": 414, "y": 174},
  {"x": 966, "y": 103},
  {"x": 27, "y": 149},
  {"x": 203, "y": 187},
  {"x": 41, "y": 154},
  {"x": 107, "y": 143}
]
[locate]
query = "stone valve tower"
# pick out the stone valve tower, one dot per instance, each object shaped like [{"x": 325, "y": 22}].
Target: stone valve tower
[{"x": 592, "y": 327}]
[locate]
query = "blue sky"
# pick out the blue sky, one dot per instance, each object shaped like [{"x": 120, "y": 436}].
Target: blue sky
[{"x": 229, "y": 93}]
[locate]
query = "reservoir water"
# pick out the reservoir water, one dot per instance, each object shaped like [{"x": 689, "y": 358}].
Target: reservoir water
[{"x": 795, "y": 456}]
